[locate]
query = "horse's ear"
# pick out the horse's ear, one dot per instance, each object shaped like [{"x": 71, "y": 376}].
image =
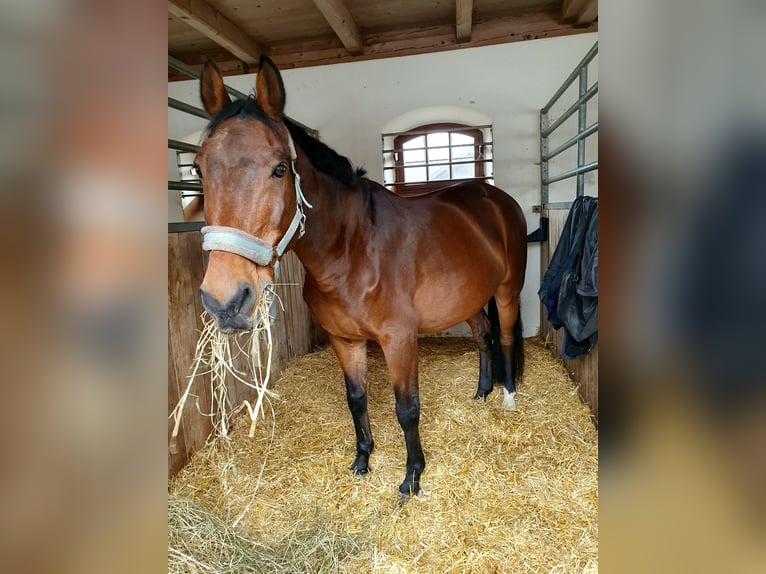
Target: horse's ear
[
  {"x": 270, "y": 89},
  {"x": 211, "y": 89}
]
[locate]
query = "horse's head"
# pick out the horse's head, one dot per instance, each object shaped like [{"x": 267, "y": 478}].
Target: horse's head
[{"x": 251, "y": 204}]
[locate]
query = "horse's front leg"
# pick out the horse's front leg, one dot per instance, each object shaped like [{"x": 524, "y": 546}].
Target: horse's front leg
[
  {"x": 352, "y": 356},
  {"x": 401, "y": 354}
]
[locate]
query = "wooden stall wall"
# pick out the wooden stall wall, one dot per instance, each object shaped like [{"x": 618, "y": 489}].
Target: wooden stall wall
[
  {"x": 583, "y": 371},
  {"x": 294, "y": 333}
]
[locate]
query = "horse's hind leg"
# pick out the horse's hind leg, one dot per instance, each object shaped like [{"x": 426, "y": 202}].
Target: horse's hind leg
[
  {"x": 511, "y": 342},
  {"x": 480, "y": 327},
  {"x": 352, "y": 356}
]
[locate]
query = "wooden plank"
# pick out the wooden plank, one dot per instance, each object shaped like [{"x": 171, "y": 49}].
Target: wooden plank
[
  {"x": 205, "y": 18},
  {"x": 582, "y": 12},
  {"x": 183, "y": 331},
  {"x": 463, "y": 19},
  {"x": 179, "y": 459},
  {"x": 342, "y": 22}
]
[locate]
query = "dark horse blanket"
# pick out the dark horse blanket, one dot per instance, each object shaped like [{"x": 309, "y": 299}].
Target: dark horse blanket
[{"x": 569, "y": 288}]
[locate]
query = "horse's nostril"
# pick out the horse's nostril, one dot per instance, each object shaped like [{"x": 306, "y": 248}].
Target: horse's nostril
[
  {"x": 246, "y": 299},
  {"x": 233, "y": 313},
  {"x": 209, "y": 302}
]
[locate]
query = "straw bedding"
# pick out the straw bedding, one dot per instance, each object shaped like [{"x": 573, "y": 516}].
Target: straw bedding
[{"x": 502, "y": 491}]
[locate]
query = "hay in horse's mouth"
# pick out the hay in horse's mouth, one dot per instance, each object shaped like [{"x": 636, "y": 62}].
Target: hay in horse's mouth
[{"x": 245, "y": 356}]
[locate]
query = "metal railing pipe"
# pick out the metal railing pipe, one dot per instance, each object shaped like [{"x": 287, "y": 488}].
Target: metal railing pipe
[
  {"x": 543, "y": 159},
  {"x": 179, "y": 66},
  {"x": 582, "y": 122},
  {"x": 572, "y": 172},
  {"x": 572, "y": 77},
  {"x": 182, "y": 146},
  {"x": 571, "y": 110},
  {"x": 184, "y": 186},
  {"x": 188, "y": 108},
  {"x": 571, "y": 141}
]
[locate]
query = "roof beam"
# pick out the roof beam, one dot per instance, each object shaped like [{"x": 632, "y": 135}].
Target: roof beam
[
  {"x": 463, "y": 19},
  {"x": 581, "y": 12},
  {"x": 339, "y": 18},
  {"x": 203, "y": 17}
]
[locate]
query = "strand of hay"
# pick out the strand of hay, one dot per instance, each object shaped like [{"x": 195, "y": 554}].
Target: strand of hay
[
  {"x": 218, "y": 355},
  {"x": 502, "y": 491}
]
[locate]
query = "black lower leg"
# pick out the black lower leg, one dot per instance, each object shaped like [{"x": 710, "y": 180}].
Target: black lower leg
[
  {"x": 408, "y": 414},
  {"x": 509, "y": 381},
  {"x": 357, "y": 404}
]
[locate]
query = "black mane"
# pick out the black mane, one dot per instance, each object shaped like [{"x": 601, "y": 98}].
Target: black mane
[
  {"x": 324, "y": 158},
  {"x": 321, "y": 156}
]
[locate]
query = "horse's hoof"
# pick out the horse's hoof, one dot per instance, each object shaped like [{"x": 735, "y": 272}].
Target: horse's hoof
[
  {"x": 360, "y": 468},
  {"x": 482, "y": 394},
  {"x": 509, "y": 400},
  {"x": 408, "y": 489}
]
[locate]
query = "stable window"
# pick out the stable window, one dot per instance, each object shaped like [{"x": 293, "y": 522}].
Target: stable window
[{"x": 435, "y": 155}]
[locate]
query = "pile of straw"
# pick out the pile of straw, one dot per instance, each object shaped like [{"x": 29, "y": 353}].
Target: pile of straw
[{"x": 502, "y": 491}]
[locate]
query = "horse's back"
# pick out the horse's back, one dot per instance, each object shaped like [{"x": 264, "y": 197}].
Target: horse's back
[
  {"x": 456, "y": 245},
  {"x": 472, "y": 212}
]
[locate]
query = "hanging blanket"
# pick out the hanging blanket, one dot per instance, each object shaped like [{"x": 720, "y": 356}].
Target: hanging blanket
[{"x": 569, "y": 288}]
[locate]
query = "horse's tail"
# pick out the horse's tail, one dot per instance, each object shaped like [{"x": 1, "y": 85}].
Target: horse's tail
[{"x": 498, "y": 363}]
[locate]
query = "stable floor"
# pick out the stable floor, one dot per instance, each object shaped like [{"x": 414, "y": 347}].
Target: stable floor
[{"x": 502, "y": 491}]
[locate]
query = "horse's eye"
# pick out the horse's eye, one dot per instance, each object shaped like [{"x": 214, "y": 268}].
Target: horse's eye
[
  {"x": 279, "y": 171},
  {"x": 195, "y": 171}
]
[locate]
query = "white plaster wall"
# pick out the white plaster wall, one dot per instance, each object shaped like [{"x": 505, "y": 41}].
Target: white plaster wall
[{"x": 352, "y": 104}]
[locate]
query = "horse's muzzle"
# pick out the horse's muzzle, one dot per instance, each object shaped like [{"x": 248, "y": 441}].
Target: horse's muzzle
[{"x": 233, "y": 316}]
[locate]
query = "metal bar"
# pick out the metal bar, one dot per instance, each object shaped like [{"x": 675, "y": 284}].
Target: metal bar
[
  {"x": 570, "y": 142},
  {"x": 178, "y": 65},
  {"x": 571, "y": 173},
  {"x": 438, "y": 163},
  {"x": 184, "y": 186},
  {"x": 543, "y": 159},
  {"x": 189, "y": 109},
  {"x": 446, "y": 181},
  {"x": 437, "y": 147},
  {"x": 184, "y": 226},
  {"x": 560, "y": 205},
  {"x": 572, "y": 77},
  {"x": 582, "y": 122},
  {"x": 582, "y": 100},
  {"x": 182, "y": 146}
]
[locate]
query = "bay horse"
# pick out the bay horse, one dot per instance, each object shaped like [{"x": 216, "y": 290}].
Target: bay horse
[{"x": 378, "y": 266}]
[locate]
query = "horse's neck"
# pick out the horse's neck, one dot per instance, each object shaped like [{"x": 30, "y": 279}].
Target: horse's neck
[{"x": 329, "y": 222}]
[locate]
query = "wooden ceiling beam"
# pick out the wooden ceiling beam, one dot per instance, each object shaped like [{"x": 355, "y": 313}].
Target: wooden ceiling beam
[
  {"x": 463, "y": 19},
  {"x": 340, "y": 20},
  {"x": 422, "y": 40},
  {"x": 581, "y": 12},
  {"x": 203, "y": 17}
]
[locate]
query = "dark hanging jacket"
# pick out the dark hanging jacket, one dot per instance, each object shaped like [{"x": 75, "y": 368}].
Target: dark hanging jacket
[{"x": 569, "y": 288}]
